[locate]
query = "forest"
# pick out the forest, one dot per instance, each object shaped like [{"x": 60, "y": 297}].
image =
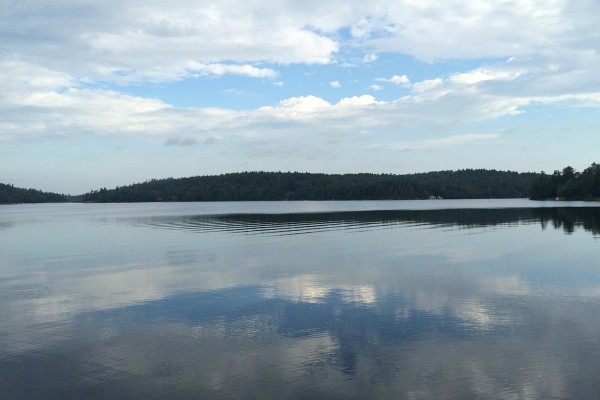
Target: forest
[
  {"x": 568, "y": 184},
  {"x": 255, "y": 186},
  {"x": 10, "y": 194}
]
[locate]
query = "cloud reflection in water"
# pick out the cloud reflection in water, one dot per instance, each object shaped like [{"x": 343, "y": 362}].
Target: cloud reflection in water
[{"x": 404, "y": 304}]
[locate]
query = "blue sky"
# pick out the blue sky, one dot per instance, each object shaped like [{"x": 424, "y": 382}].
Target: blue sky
[{"x": 99, "y": 95}]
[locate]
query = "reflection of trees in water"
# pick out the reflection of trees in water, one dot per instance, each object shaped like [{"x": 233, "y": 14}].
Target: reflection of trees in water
[
  {"x": 568, "y": 219},
  {"x": 6, "y": 224}
]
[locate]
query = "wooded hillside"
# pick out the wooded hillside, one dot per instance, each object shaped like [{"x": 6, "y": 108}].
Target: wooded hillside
[
  {"x": 568, "y": 184},
  {"x": 10, "y": 194},
  {"x": 248, "y": 186}
]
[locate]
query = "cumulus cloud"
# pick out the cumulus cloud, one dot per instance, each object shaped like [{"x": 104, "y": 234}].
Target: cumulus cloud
[
  {"x": 335, "y": 84},
  {"x": 305, "y": 108},
  {"x": 363, "y": 100},
  {"x": 400, "y": 80},
  {"x": 396, "y": 80},
  {"x": 300, "y": 104}
]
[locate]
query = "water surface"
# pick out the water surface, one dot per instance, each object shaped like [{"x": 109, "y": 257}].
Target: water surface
[{"x": 280, "y": 300}]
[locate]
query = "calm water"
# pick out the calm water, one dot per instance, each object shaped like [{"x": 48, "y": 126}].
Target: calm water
[{"x": 300, "y": 300}]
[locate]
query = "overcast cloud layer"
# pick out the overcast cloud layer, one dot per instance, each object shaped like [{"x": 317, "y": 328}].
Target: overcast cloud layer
[{"x": 93, "y": 93}]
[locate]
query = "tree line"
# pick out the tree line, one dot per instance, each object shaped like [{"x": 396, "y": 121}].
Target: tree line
[
  {"x": 256, "y": 186},
  {"x": 10, "y": 194},
  {"x": 568, "y": 184}
]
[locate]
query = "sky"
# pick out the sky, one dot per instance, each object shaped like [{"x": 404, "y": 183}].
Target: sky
[{"x": 103, "y": 94}]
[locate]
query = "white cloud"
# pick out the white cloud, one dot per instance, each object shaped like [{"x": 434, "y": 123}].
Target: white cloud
[
  {"x": 427, "y": 85},
  {"x": 157, "y": 40},
  {"x": 312, "y": 108},
  {"x": 364, "y": 100},
  {"x": 51, "y": 105},
  {"x": 482, "y": 75},
  {"x": 396, "y": 79},
  {"x": 163, "y": 42},
  {"x": 300, "y": 104},
  {"x": 335, "y": 84},
  {"x": 369, "y": 58},
  {"x": 141, "y": 36},
  {"x": 400, "y": 80},
  {"x": 222, "y": 69},
  {"x": 445, "y": 142},
  {"x": 376, "y": 87},
  {"x": 454, "y": 29}
]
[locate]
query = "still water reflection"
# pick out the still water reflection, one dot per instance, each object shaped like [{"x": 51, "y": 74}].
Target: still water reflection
[{"x": 300, "y": 300}]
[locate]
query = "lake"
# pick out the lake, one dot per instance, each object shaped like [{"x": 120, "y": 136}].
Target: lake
[{"x": 445, "y": 299}]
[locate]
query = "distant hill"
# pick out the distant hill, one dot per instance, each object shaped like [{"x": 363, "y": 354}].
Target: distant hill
[
  {"x": 10, "y": 194},
  {"x": 253, "y": 186}
]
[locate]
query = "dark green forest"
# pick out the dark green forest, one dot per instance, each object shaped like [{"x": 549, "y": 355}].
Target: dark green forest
[
  {"x": 10, "y": 194},
  {"x": 568, "y": 184},
  {"x": 253, "y": 186}
]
